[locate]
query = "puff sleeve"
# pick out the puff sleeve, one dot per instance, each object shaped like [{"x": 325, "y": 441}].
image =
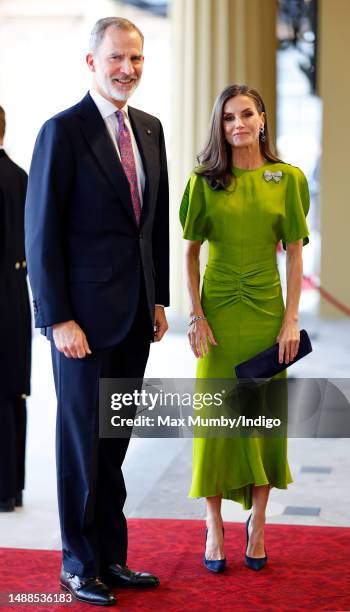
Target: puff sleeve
[
  {"x": 294, "y": 226},
  {"x": 192, "y": 210}
]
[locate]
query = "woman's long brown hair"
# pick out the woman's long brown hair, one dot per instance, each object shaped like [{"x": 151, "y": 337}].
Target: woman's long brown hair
[{"x": 215, "y": 161}]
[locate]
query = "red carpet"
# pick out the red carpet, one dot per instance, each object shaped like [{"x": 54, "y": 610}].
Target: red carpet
[{"x": 308, "y": 569}]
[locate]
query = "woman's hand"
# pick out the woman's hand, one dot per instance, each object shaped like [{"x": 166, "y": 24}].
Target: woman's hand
[
  {"x": 198, "y": 335},
  {"x": 288, "y": 340}
]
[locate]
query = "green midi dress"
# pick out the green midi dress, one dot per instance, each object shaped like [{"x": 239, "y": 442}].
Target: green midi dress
[{"x": 242, "y": 300}]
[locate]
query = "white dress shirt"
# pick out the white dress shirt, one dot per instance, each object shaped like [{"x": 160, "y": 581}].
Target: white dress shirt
[{"x": 108, "y": 112}]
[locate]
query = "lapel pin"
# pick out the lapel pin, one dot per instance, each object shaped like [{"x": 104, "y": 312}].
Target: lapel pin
[{"x": 276, "y": 176}]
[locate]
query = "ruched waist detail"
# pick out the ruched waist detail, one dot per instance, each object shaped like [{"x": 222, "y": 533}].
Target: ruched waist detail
[{"x": 258, "y": 286}]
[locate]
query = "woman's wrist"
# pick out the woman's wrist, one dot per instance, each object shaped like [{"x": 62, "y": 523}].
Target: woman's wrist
[
  {"x": 288, "y": 318},
  {"x": 196, "y": 312},
  {"x": 195, "y": 319}
]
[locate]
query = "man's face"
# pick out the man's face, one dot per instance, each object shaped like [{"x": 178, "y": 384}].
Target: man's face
[{"x": 117, "y": 64}]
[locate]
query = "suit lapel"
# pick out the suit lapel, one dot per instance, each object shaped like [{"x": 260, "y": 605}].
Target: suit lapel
[{"x": 96, "y": 135}]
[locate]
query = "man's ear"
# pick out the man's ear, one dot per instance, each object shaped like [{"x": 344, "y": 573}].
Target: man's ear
[{"x": 90, "y": 62}]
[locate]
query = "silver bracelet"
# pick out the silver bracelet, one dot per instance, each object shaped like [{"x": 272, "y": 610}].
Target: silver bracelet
[{"x": 198, "y": 318}]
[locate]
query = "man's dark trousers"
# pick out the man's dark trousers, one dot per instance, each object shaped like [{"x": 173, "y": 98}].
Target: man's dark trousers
[
  {"x": 90, "y": 482},
  {"x": 13, "y": 418}
]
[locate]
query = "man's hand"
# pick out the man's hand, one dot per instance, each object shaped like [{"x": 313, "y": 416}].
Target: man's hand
[
  {"x": 70, "y": 339},
  {"x": 160, "y": 323}
]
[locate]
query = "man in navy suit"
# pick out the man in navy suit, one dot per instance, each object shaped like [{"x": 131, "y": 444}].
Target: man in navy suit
[{"x": 97, "y": 243}]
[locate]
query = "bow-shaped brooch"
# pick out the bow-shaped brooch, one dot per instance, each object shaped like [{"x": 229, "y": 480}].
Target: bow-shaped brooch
[{"x": 276, "y": 176}]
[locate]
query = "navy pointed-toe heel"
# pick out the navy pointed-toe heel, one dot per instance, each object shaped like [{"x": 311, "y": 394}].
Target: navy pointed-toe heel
[
  {"x": 252, "y": 562},
  {"x": 214, "y": 565}
]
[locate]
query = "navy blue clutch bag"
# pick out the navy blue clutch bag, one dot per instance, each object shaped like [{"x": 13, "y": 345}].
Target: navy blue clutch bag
[{"x": 266, "y": 365}]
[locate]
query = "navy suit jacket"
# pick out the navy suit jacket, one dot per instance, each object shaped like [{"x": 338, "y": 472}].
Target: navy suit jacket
[{"x": 85, "y": 252}]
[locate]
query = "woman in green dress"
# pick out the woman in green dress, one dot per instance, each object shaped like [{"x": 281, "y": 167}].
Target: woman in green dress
[{"x": 243, "y": 200}]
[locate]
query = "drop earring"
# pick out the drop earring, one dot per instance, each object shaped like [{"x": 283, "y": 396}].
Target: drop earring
[{"x": 262, "y": 134}]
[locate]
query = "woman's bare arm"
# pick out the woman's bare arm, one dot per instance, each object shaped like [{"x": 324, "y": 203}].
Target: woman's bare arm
[
  {"x": 289, "y": 335},
  {"x": 199, "y": 332}
]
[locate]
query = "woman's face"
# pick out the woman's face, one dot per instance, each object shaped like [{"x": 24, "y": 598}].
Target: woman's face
[{"x": 242, "y": 121}]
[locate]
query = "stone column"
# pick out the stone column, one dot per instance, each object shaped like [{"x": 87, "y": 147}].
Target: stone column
[
  {"x": 334, "y": 49},
  {"x": 215, "y": 42}
]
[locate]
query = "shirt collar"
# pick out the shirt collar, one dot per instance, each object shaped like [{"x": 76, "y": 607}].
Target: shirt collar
[{"x": 106, "y": 107}]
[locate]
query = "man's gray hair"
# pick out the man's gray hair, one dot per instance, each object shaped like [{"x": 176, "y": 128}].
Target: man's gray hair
[{"x": 98, "y": 31}]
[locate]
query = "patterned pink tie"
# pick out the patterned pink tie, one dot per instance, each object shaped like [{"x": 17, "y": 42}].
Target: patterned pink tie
[{"x": 128, "y": 163}]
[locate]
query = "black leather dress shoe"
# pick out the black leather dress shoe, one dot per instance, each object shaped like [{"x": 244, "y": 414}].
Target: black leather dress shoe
[
  {"x": 89, "y": 590},
  {"x": 7, "y": 505},
  {"x": 122, "y": 576}
]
